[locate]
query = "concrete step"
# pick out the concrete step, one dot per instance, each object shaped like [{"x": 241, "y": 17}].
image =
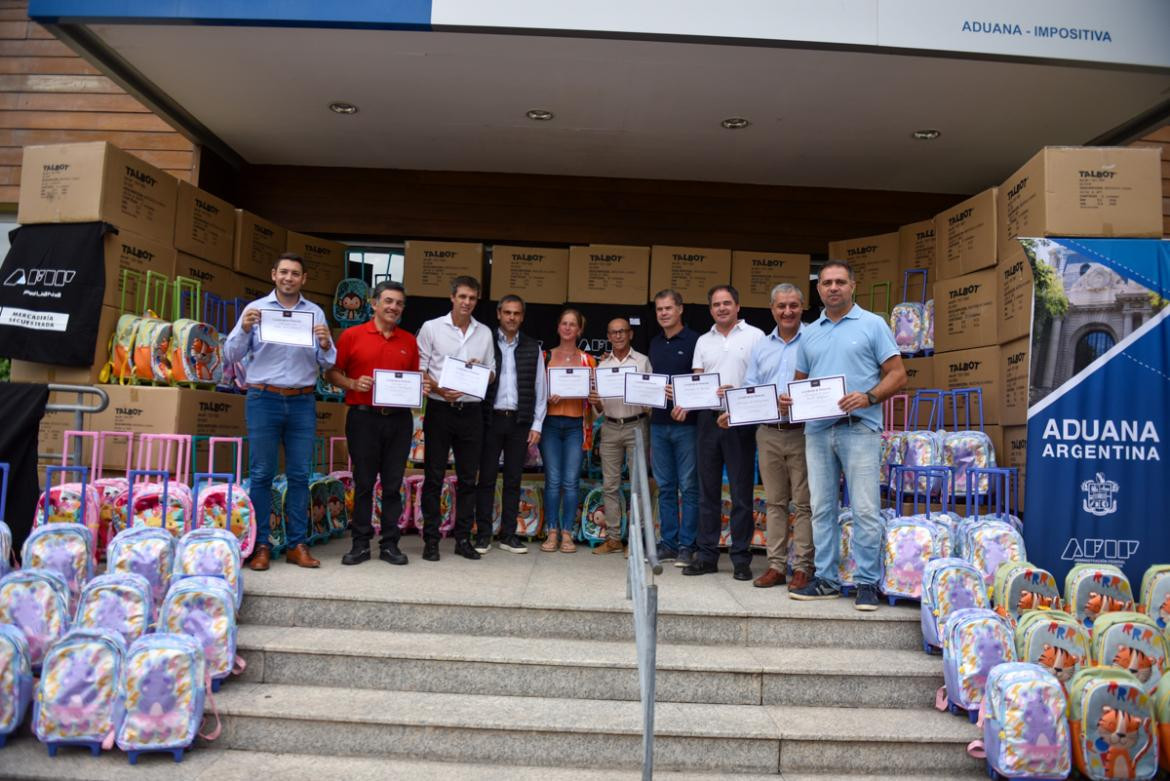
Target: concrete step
[
  {"x": 583, "y": 669},
  {"x": 590, "y": 733}
]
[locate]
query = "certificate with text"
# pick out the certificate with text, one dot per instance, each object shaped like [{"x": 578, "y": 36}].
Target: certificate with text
[
  {"x": 646, "y": 390},
  {"x": 569, "y": 383},
  {"x": 397, "y": 389},
  {"x": 696, "y": 391},
  {"x": 816, "y": 398},
  {"x": 470, "y": 379},
  {"x": 287, "y": 326},
  {"x": 755, "y": 404},
  {"x": 611, "y": 381}
]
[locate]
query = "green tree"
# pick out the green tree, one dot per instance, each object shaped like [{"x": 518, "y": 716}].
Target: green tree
[{"x": 1051, "y": 302}]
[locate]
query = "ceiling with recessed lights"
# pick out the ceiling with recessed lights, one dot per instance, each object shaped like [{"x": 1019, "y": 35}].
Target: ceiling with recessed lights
[{"x": 627, "y": 108}]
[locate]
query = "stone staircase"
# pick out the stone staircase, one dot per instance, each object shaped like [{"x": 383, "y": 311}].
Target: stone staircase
[{"x": 524, "y": 666}]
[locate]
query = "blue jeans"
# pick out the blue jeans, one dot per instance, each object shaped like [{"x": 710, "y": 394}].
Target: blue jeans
[
  {"x": 274, "y": 419},
  {"x": 560, "y": 448},
  {"x": 672, "y": 449},
  {"x": 853, "y": 450}
]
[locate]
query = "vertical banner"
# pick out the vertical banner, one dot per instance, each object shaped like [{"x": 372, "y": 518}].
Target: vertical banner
[{"x": 1099, "y": 415}]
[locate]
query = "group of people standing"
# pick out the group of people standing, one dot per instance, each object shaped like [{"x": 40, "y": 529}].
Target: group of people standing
[{"x": 801, "y": 464}]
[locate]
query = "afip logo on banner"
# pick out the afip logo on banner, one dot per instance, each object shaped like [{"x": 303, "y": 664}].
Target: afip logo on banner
[{"x": 1099, "y": 394}]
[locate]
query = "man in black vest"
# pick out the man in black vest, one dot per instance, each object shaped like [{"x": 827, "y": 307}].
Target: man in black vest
[{"x": 514, "y": 414}]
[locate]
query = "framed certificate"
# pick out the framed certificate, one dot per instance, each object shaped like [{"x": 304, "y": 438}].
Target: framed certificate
[
  {"x": 397, "y": 389},
  {"x": 696, "y": 391},
  {"x": 646, "y": 390},
  {"x": 569, "y": 383},
  {"x": 470, "y": 379},
  {"x": 287, "y": 326},
  {"x": 611, "y": 381},
  {"x": 755, "y": 404},
  {"x": 816, "y": 398}
]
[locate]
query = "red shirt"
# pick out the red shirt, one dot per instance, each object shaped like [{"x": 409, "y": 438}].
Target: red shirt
[{"x": 362, "y": 348}]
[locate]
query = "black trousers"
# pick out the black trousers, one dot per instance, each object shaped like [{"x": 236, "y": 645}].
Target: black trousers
[
  {"x": 715, "y": 447},
  {"x": 447, "y": 427},
  {"x": 502, "y": 434},
  {"x": 378, "y": 445}
]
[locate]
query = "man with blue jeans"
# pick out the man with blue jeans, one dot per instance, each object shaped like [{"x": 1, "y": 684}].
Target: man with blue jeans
[
  {"x": 672, "y": 436},
  {"x": 847, "y": 340},
  {"x": 280, "y": 407}
]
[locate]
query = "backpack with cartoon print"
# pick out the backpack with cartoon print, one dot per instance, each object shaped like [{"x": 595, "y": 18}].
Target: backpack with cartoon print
[
  {"x": 35, "y": 601},
  {"x": 118, "y": 602},
  {"x": 147, "y": 552},
  {"x": 1025, "y": 726},
  {"x": 351, "y": 302},
  {"x": 164, "y": 685},
  {"x": 948, "y": 584},
  {"x": 1091, "y": 590},
  {"x": 75, "y": 502},
  {"x": 1155, "y": 594},
  {"x": 1021, "y": 586},
  {"x": 213, "y": 553},
  {"x": 78, "y": 700},
  {"x": 196, "y": 353},
  {"x": 1133, "y": 642},
  {"x": 64, "y": 548},
  {"x": 974, "y": 641},
  {"x": 909, "y": 543},
  {"x": 16, "y": 680},
  {"x": 1055, "y": 641},
  {"x": 1112, "y": 724},
  {"x": 204, "y": 607}
]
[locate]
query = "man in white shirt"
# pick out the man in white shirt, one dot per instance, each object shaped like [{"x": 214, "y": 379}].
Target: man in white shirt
[
  {"x": 617, "y": 431},
  {"x": 453, "y": 421},
  {"x": 725, "y": 349}
]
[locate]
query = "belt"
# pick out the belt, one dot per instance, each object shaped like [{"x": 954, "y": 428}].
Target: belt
[
  {"x": 377, "y": 410},
  {"x": 783, "y": 426},
  {"x": 505, "y": 413},
  {"x": 845, "y": 421},
  {"x": 283, "y": 391},
  {"x": 623, "y": 421},
  {"x": 455, "y": 405}
]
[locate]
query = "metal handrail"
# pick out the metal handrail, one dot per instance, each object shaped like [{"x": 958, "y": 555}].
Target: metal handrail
[
  {"x": 643, "y": 552},
  {"x": 78, "y": 408}
]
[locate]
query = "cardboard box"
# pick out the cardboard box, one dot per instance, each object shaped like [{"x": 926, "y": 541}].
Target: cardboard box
[
  {"x": 1015, "y": 359},
  {"x": 539, "y": 275},
  {"x": 126, "y": 251},
  {"x": 50, "y": 435},
  {"x": 330, "y": 420},
  {"x": 979, "y": 367},
  {"x": 916, "y": 250},
  {"x": 252, "y": 289},
  {"x": 966, "y": 312},
  {"x": 1014, "y": 453},
  {"x": 875, "y": 261},
  {"x": 1016, "y": 293},
  {"x": 219, "y": 280},
  {"x": 256, "y": 245},
  {"x": 1084, "y": 191},
  {"x": 610, "y": 274},
  {"x": 966, "y": 237},
  {"x": 324, "y": 261},
  {"x": 96, "y": 181},
  {"x": 919, "y": 376},
  {"x": 27, "y": 371},
  {"x": 754, "y": 274},
  {"x": 205, "y": 226},
  {"x": 691, "y": 271},
  {"x": 431, "y": 265}
]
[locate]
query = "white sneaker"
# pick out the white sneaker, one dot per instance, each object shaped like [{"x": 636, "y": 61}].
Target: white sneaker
[{"x": 482, "y": 548}]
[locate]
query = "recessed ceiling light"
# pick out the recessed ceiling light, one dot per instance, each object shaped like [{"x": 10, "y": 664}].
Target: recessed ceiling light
[
  {"x": 539, "y": 115},
  {"x": 926, "y": 135},
  {"x": 735, "y": 123},
  {"x": 340, "y": 107}
]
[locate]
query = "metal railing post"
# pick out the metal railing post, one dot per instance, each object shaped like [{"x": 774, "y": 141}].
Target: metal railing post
[{"x": 642, "y": 551}]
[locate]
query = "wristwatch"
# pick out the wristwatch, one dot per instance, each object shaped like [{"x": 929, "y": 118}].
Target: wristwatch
[{"x": 873, "y": 400}]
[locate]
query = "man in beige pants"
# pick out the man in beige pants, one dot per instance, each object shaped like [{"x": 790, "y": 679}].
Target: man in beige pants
[
  {"x": 781, "y": 445},
  {"x": 617, "y": 432}
]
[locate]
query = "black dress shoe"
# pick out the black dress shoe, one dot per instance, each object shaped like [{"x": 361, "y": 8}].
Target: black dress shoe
[
  {"x": 463, "y": 548},
  {"x": 700, "y": 567},
  {"x": 359, "y": 554},
  {"x": 431, "y": 550},
  {"x": 742, "y": 572},
  {"x": 391, "y": 555}
]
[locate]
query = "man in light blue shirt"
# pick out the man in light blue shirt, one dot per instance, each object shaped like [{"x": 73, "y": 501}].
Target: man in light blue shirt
[
  {"x": 847, "y": 340},
  {"x": 280, "y": 407}
]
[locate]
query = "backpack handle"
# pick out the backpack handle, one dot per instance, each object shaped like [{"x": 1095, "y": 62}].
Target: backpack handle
[
  {"x": 3, "y": 488},
  {"x": 210, "y": 695},
  {"x": 237, "y": 443},
  {"x": 63, "y": 470},
  {"x": 173, "y": 449},
  {"x": 101, "y": 452},
  {"x": 906, "y": 282},
  {"x": 132, "y": 477},
  {"x": 348, "y": 460},
  {"x": 889, "y": 414},
  {"x": 93, "y": 449}
]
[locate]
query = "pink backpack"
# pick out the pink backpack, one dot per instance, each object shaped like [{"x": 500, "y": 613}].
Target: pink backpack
[
  {"x": 225, "y": 505},
  {"x": 69, "y": 502}
]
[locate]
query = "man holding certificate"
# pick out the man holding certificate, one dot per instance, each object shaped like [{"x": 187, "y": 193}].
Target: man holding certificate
[
  {"x": 725, "y": 350},
  {"x": 850, "y": 343},
  {"x": 378, "y": 423},
  {"x": 280, "y": 406},
  {"x": 458, "y": 362},
  {"x": 621, "y": 421}
]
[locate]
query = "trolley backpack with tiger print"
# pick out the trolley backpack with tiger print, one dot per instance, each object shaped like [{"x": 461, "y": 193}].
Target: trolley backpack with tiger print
[
  {"x": 1054, "y": 640},
  {"x": 1133, "y": 642},
  {"x": 118, "y": 602},
  {"x": 1021, "y": 586},
  {"x": 16, "y": 679},
  {"x": 1025, "y": 723},
  {"x": 1093, "y": 589},
  {"x": 79, "y": 696},
  {"x": 1112, "y": 723},
  {"x": 1155, "y": 594},
  {"x": 164, "y": 684},
  {"x": 1162, "y": 715},
  {"x": 35, "y": 601},
  {"x": 948, "y": 584}
]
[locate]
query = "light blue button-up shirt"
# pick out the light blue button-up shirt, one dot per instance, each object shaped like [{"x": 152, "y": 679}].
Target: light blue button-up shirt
[
  {"x": 279, "y": 364},
  {"x": 773, "y": 361},
  {"x": 855, "y": 346}
]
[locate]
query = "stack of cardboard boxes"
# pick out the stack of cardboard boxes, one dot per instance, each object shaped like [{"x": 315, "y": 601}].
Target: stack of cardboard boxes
[{"x": 173, "y": 229}]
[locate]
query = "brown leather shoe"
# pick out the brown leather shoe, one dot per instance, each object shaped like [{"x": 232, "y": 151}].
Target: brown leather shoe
[
  {"x": 609, "y": 546},
  {"x": 771, "y": 577},
  {"x": 260, "y": 558},
  {"x": 800, "y": 579},
  {"x": 301, "y": 557}
]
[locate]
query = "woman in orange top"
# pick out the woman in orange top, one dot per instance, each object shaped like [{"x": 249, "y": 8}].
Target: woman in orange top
[{"x": 562, "y": 440}]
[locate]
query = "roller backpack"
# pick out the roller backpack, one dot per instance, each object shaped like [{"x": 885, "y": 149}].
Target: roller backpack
[
  {"x": 1021, "y": 586},
  {"x": 989, "y": 544},
  {"x": 1155, "y": 594},
  {"x": 64, "y": 548},
  {"x": 411, "y": 496},
  {"x": 351, "y": 302},
  {"x": 277, "y": 531},
  {"x": 16, "y": 680},
  {"x": 909, "y": 543},
  {"x": 78, "y": 700},
  {"x": 35, "y": 601},
  {"x": 205, "y": 608},
  {"x": 893, "y": 445},
  {"x": 196, "y": 354},
  {"x": 1162, "y": 716},
  {"x": 594, "y": 523},
  {"x": 1053, "y": 640},
  {"x": 335, "y": 513},
  {"x": 77, "y": 502},
  {"x": 147, "y": 552},
  {"x": 164, "y": 686},
  {"x": 120, "y": 368},
  {"x": 530, "y": 515},
  {"x": 417, "y": 445},
  {"x": 118, "y": 602},
  {"x": 1025, "y": 724},
  {"x": 143, "y": 503},
  {"x": 213, "y": 553},
  {"x": 908, "y": 319},
  {"x": 974, "y": 641},
  {"x": 921, "y": 449},
  {"x": 1111, "y": 718},
  {"x": 1133, "y": 642},
  {"x": 320, "y": 530},
  {"x": 345, "y": 476},
  {"x": 963, "y": 450},
  {"x": 928, "y": 317},
  {"x": 213, "y": 500},
  {"x": 151, "y": 359},
  {"x": 759, "y": 518},
  {"x": 446, "y": 506},
  {"x": 948, "y": 584},
  {"x": 1093, "y": 589}
]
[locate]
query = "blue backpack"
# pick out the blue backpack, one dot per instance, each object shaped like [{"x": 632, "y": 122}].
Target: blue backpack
[
  {"x": 212, "y": 552},
  {"x": 119, "y": 602},
  {"x": 145, "y": 551},
  {"x": 65, "y": 548},
  {"x": 78, "y": 699},
  {"x": 164, "y": 689},
  {"x": 974, "y": 641},
  {"x": 205, "y": 608},
  {"x": 948, "y": 584},
  {"x": 1025, "y": 723},
  {"x": 15, "y": 680}
]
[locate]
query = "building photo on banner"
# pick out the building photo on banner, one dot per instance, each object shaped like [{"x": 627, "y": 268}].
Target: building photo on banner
[{"x": 442, "y": 389}]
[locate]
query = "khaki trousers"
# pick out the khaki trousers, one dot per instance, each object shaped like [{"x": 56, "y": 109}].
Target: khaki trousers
[
  {"x": 617, "y": 445},
  {"x": 785, "y": 476}
]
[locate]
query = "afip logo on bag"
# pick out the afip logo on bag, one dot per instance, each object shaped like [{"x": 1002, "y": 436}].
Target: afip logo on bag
[
  {"x": 48, "y": 277},
  {"x": 1100, "y": 499}
]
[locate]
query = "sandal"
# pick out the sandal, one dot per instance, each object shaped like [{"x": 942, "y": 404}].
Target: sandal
[
  {"x": 550, "y": 542},
  {"x": 567, "y": 545}
]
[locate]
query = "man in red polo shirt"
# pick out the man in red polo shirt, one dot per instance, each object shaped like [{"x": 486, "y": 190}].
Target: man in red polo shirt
[{"x": 378, "y": 437}]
